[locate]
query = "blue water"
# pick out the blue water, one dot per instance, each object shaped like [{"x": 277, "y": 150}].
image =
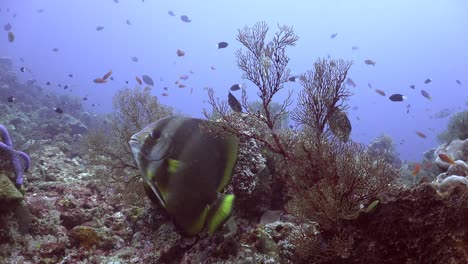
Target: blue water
[{"x": 410, "y": 41}]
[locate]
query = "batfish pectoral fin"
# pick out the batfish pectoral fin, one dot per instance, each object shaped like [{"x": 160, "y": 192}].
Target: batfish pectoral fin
[{"x": 220, "y": 212}]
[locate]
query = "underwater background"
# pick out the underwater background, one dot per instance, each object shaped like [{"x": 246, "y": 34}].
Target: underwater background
[
  {"x": 409, "y": 41},
  {"x": 145, "y": 131}
]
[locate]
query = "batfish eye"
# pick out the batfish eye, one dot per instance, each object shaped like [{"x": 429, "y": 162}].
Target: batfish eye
[{"x": 155, "y": 134}]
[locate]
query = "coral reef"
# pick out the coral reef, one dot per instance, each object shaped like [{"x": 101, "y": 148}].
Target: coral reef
[
  {"x": 415, "y": 226},
  {"x": 384, "y": 147},
  {"x": 341, "y": 199}
]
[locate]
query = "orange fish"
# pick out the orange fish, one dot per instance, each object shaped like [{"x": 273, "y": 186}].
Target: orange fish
[
  {"x": 107, "y": 75},
  {"x": 99, "y": 80},
  {"x": 416, "y": 169},
  {"x": 446, "y": 158},
  {"x": 421, "y": 134},
  {"x": 138, "y": 80},
  {"x": 382, "y": 93}
]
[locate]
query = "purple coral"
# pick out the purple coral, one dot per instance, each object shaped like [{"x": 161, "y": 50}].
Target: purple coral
[{"x": 7, "y": 147}]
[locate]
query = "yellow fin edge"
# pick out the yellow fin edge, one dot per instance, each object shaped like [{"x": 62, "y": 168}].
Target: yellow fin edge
[
  {"x": 231, "y": 162},
  {"x": 223, "y": 211}
]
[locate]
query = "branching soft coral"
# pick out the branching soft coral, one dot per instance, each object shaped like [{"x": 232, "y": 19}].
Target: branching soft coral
[
  {"x": 133, "y": 109},
  {"x": 265, "y": 65},
  {"x": 340, "y": 179}
]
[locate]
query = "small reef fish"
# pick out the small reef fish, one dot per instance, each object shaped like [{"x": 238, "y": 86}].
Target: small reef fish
[
  {"x": 426, "y": 94},
  {"x": 128, "y": 22},
  {"x": 70, "y": 75},
  {"x": 458, "y": 82},
  {"x": 99, "y": 28},
  {"x": 332, "y": 36},
  {"x": 446, "y": 158},
  {"x": 180, "y": 53},
  {"x": 7, "y": 27},
  {"x": 234, "y": 103},
  {"x": 350, "y": 82},
  {"x": 213, "y": 67},
  {"x": 134, "y": 59},
  {"x": 11, "y": 99},
  {"x": 427, "y": 81},
  {"x": 369, "y": 85},
  {"x": 55, "y": 49},
  {"x": 354, "y": 47},
  {"x": 184, "y": 77},
  {"x": 58, "y": 110},
  {"x": 165, "y": 88},
  {"x": 148, "y": 80},
  {"x": 397, "y": 98},
  {"x": 235, "y": 87},
  {"x": 382, "y": 93},
  {"x": 107, "y": 75},
  {"x": 164, "y": 94},
  {"x": 416, "y": 169},
  {"x": 171, "y": 13},
  {"x": 292, "y": 78},
  {"x": 48, "y": 83},
  {"x": 11, "y": 37},
  {"x": 370, "y": 62},
  {"x": 22, "y": 69},
  {"x": 185, "y": 19},
  {"x": 412, "y": 86},
  {"x": 138, "y": 80},
  {"x": 421, "y": 134},
  {"x": 99, "y": 80},
  {"x": 222, "y": 45},
  {"x": 182, "y": 86},
  {"x": 442, "y": 113}
]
